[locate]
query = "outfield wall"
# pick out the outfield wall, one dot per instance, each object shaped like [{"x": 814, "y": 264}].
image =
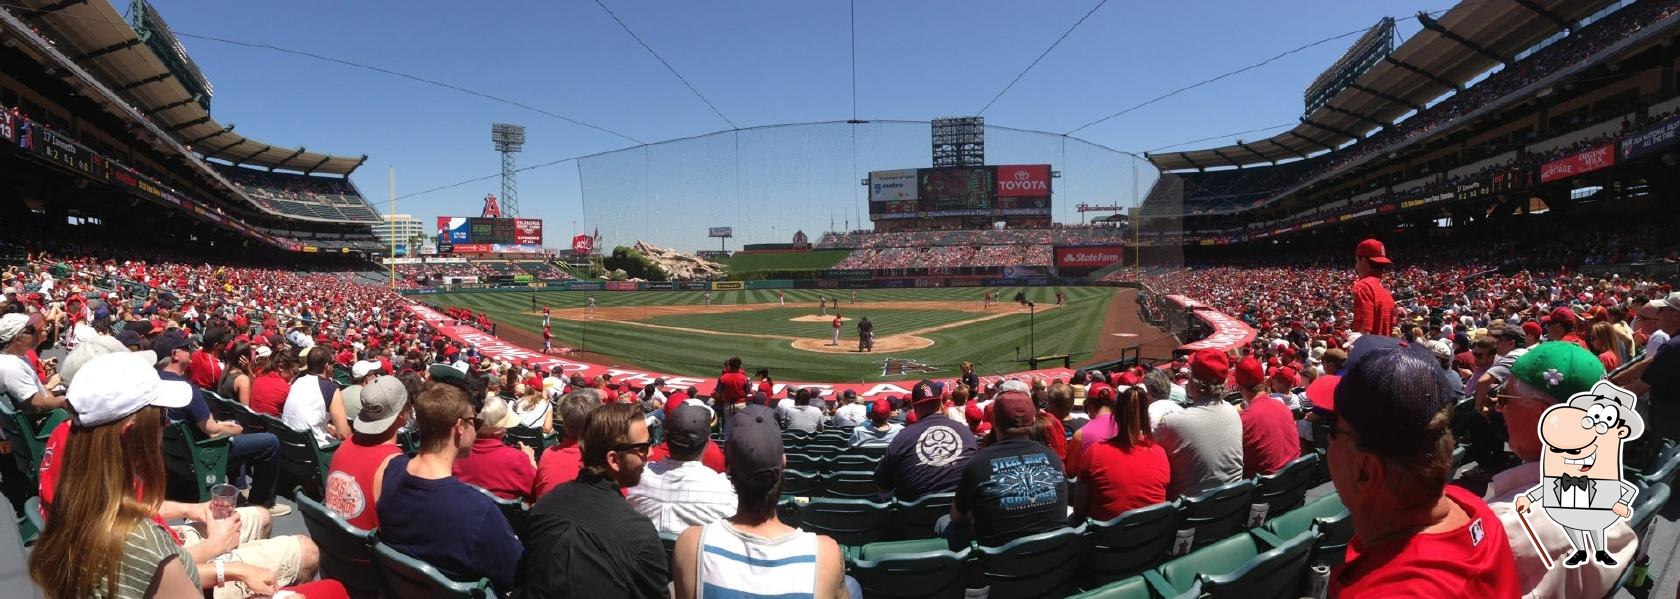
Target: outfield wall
[{"x": 851, "y": 283}]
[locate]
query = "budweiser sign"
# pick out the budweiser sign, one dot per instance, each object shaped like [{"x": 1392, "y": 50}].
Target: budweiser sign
[
  {"x": 1023, "y": 180},
  {"x": 1089, "y": 257},
  {"x": 1579, "y": 164}
]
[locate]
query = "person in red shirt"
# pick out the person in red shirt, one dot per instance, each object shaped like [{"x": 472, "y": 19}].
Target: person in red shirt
[
  {"x": 560, "y": 464},
  {"x": 1373, "y": 307},
  {"x": 273, "y": 383},
  {"x": 1125, "y": 471},
  {"x": 1560, "y": 325},
  {"x": 1270, "y": 438},
  {"x": 358, "y": 467},
  {"x": 493, "y": 465},
  {"x": 1390, "y": 457}
]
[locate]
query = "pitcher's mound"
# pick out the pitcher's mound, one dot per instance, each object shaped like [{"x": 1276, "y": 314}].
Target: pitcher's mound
[
  {"x": 815, "y": 318},
  {"x": 895, "y": 343}
]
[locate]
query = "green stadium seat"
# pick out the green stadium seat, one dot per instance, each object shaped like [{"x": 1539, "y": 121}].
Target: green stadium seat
[
  {"x": 1298, "y": 520},
  {"x": 820, "y": 450},
  {"x": 797, "y": 483},
  {"x": 302, "y": 461},
  {"x": 408, "y": 440},
  {"x": 1645, "y": 508},
  {"x": 1041, "y": 565},
  {"x": 19, "y": 425},
  {"x": 407, "y": 577},
  {"x": 1130, "y": 543},
  {"x": 1227, "y": 555},
  {"x": 1285, "y": 489},
  {"x": 1278, "y": 573},
  {"x": 849, "y": 462},
  {"x": 916, "y": 518},
  {"x": 1218, "y": 513},
  {"x": 852, "y": 485},
  {"x": 513, "y": 510},
  {"x": 669, "y": 540},
  {"x": 884, "y": 570},
  {"x": 33, "y": 524},
  {"x": 875, "y": 451},
  {"x": 1131, "y": 588},
  {"x": 346, "y": 551},
  {"x": 532, "y": 437},
  {"x": 805, "y": 462},
  {"x": 230, "y": 409},
  {"x": 1663, "y": 467},
  {"x": 193, "y": 462},
  {"x": 850, "y": 522}
]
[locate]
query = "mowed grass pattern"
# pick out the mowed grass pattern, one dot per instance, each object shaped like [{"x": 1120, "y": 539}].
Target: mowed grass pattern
[
  {"x": 994, "y": 345},
  {"x": 778, "y": 321}
]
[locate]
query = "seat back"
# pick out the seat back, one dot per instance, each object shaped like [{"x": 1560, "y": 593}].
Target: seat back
[
  {"x": 1130, "y": 588},
  {"x": 1041, "y": 565},
  {"x": 848, "y": 521},
  {"x": 1224, "y": 556},
  {"x": 916, "y": 518},
  {"x": 805, "y": 462},
  {"x": 302, "y": 461},
  {"x": 512, "y": 509},
  {"x": 1293, "y": 522},
  {"x": 408, "y": 578},
  {"x": 193, "y": 462},
  {"x": 797, "y": 483},
  {"x": 1285, "y": 489},
  {"x": 852, "y": 485},
  {"x": 1275, "y": 574},
  {"x": 346, "y": 551},
  {"x": 532, "y": 437},
  {"x": 1218, "y": 513},
  {"x": 931, "y": 574},
  {"x": 228, "y": 408},
  {"x": 1645, "y": 508},
  {"x": 1131, "y": 542},
  {"x": 1331, "y": 537},
  {"x": 851, "y": 462},
  {"x": 29, "y": 441}
]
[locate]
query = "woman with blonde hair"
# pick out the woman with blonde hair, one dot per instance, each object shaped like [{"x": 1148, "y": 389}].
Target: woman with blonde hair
[{"x": 533, "y": 409}]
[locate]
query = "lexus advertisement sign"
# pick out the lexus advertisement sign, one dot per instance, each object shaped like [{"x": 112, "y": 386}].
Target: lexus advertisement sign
[
  {"x": 1023, "y": 180},
  {"x": 1089, "y": 257}
]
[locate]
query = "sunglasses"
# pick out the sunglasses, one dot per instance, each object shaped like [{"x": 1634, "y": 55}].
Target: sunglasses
[
  {"x": 476, "y": 421},
  {"x": 640, "y": 449}
]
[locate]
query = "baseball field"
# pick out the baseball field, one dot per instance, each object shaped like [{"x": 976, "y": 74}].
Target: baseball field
[{"x": 918, "y": 332}]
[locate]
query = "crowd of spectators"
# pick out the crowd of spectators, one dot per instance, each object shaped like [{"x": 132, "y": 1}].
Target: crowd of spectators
[
  {"x": 1095, "y": 234},
  {"x": 944, "y": 257}
]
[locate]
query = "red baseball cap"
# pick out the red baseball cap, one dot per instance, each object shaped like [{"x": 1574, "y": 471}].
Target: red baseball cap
[
  {"x": 1249, "y": 373},
  {"x": 1210, "y": 365},
  {"x": 883, "y": 407},
  {"x": 1283, "y": 373},
  {"x": 1015, "y": 408},
  {"x": 1372, "y": 250},
  {"x": 1532, "y": 328},
  {"x": 1561, "y": 314},
  {"x": 1322, "y": 392}
]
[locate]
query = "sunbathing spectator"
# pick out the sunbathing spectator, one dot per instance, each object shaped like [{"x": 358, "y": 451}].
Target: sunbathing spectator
[
  {"x": 1270, "y": 438},
  {"x": 1012, "y": 488},
  {"x": 560, "y": 464},
  {"x": 1125, "y": 471},
  {"x": 1203, "y": 442},
  {"x": 315, "y": 403},
  {"x": 928, "y": 456},
  {"x": 878, "y": 432},
  {"x": 355, "y": 479},
  {"x": 680, "y": 491},
  {"x": 256, "y": 455},
  {"x": 504, "y": 470}
]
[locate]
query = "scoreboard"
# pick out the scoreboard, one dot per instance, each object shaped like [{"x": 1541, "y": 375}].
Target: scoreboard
[
  {"x": 472, "y": 230},
  {"x": 960, "y": 191}
]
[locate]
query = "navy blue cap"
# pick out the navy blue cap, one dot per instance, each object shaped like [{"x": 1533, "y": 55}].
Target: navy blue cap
[{"x": 1389, "y": 392}]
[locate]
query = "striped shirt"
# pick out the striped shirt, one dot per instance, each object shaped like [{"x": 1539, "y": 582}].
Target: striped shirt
[
  {"x": 676, "y": 494},
  {"x": 737, "y": 565},
  {"x": 144, "y": 552}
]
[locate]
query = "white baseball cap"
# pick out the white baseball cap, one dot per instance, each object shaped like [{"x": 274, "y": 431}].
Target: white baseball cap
[
  {"x": 110, "y": 387},
  {"x": 364, "y": 368},
  {"x": 1671, "y": 301}
]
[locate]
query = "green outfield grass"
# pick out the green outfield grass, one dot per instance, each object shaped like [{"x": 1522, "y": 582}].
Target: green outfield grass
[
  {"x": 991, "y": 345},
  {"x": 773, "y": 261}
]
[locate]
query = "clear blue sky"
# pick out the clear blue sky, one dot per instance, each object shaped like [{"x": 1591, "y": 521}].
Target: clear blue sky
[{"x": 761, "y": 63}]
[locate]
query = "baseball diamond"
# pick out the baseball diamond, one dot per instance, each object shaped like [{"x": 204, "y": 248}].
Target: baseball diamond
[{"x": 675, "y": 332}]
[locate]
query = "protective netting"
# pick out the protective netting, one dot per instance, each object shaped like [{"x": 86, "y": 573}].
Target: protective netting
[{"x": 768, "y": 183}]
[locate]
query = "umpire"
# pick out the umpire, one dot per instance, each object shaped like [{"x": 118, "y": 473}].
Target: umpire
[{"x": 866, "y": 335}]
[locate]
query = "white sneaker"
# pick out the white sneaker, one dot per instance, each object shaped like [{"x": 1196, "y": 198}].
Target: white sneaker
[{"x": 279, "y": 509}]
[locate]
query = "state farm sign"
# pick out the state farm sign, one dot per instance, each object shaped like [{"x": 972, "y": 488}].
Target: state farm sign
[
  {"x": 1091, "y": 257},
  {"x": 1023, "y": 180}
]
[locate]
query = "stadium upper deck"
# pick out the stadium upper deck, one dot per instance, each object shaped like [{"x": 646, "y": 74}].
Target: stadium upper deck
[{"x": 91, "y": 48}]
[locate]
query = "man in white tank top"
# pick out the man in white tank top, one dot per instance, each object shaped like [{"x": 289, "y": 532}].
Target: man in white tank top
[{"x": 753, "y": 553}]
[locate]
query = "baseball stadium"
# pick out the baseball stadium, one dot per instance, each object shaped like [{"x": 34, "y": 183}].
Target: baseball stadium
[{"x": 746, "y": 312}]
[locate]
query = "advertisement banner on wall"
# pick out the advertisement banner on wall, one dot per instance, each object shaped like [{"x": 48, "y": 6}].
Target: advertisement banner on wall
[
  {"x": 1579, "y": 164},
  {"x": 892, "y": 186},
  {"x": 1023, "y": 180},
  {"x": 473, "y": 248},
  {"x": 585, "y": 286},
  {"x": 658, "y": 286},
  {"x": 622, "y": 286},
  {"x": 527, "y": 231},
  {"x": 729, "y": 286},
  {"x": 1089, "y": 257},
  {"x": 1651, "y": 139},
  {"x": 452, "y": 229}
]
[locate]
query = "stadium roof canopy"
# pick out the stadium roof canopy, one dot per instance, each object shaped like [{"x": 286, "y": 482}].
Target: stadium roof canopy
[
  {"x": 95, "y": 36},
  {"x": 1447, "y": 53}
]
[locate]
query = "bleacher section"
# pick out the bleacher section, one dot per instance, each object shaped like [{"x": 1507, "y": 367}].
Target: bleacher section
[{"x": 333, "y": 198}]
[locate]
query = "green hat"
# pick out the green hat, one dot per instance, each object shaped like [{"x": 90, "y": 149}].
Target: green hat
[{"x": 1558, "y": 368}]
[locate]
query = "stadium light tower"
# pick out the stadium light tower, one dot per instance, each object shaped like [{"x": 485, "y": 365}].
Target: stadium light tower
[{"x": 509, "y": 140}]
